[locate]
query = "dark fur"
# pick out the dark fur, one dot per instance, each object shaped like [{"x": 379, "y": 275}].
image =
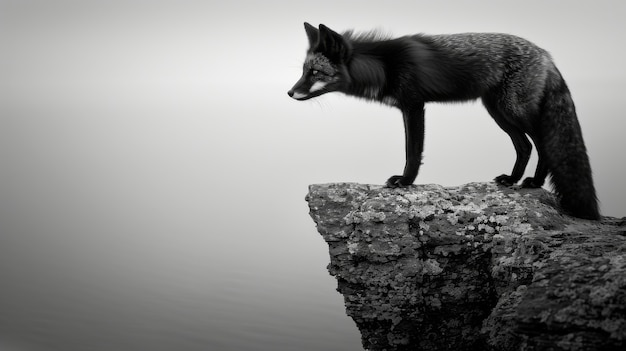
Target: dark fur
[{"x": 516, "y": 80}]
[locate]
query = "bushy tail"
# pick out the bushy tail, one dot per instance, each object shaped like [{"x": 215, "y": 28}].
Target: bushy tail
[{"x": 565, "y": 151}]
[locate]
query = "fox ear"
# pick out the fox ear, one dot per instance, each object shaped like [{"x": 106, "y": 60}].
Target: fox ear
[
  {"x": 312, "y": 33},
  {"x": 332, "y": 44}
]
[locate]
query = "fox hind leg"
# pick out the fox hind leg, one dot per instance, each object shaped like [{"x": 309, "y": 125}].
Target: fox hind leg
[
  {"x": 523, "y": 148},
  {"x": 542, "y": 169},
  {"x": 522, "y": 145}
]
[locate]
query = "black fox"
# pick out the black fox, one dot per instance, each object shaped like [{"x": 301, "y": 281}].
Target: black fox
[{"x": 517, "y": 81}]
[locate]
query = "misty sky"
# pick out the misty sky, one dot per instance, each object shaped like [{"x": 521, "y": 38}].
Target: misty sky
[{"x": 164, "y": 73}]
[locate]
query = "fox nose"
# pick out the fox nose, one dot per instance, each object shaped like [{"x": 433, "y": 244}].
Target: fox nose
[{"x": 290, "y": 93}]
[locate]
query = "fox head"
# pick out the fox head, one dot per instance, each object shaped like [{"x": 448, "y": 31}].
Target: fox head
[{"x": 324, "y": 68}]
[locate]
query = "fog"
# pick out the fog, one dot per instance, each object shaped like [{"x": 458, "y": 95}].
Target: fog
[{"x": 153, "y": 168}]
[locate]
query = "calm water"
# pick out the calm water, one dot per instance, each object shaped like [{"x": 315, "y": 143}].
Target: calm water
[
  {"x": 124, "y": 254},
  {"x": 124, "y": 231}
]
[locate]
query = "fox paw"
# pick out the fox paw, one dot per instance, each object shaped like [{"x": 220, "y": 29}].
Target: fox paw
[
  {"x": 531, "y": 182},
  {"x": 505, "y": 180},
  {"x": 397, "y": 181}
]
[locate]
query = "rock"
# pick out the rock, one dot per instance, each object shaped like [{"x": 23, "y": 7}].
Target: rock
[{"x": 474, "y": 267}]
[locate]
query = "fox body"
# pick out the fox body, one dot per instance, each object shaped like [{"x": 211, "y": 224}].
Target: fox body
[{"x": 516, "y": 80}]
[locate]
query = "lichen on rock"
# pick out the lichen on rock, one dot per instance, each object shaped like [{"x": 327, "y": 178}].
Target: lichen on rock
[{"x": 472, "y": 267}]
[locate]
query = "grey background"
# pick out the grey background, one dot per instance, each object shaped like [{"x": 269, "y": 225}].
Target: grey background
[{"x": 153, "y": 169}]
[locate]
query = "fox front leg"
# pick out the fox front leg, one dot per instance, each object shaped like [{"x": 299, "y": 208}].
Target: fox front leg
[{"x": 414, "y": 143}]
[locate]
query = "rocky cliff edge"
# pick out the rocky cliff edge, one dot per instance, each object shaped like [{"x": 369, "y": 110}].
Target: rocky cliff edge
[{"x": 473, "y": 267}]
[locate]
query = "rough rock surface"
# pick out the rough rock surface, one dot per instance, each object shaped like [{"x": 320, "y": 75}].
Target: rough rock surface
[{"x": 474, "y": 267}]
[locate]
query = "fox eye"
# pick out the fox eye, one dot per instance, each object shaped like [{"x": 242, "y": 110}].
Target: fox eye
[{"x": 315, "y": 72}]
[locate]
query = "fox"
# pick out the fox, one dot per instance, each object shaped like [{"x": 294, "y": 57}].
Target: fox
[{"x": 517, "y": 81}]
